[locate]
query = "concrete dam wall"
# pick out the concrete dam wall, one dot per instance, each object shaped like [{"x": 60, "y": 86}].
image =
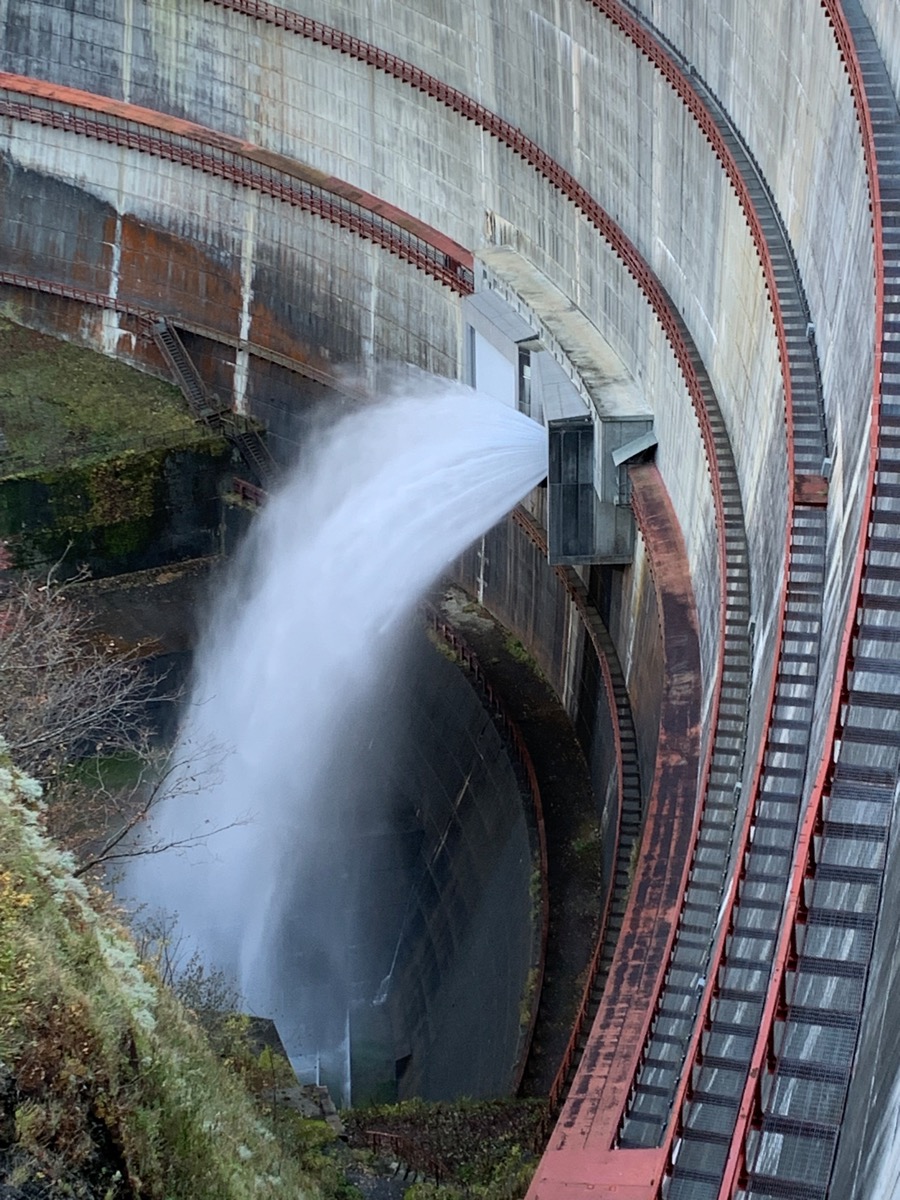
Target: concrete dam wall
[
  {"x": 710, "y": 190},
  {"x": 413, "y": 915}
]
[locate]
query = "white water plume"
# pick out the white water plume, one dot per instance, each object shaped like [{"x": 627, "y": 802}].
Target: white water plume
[{"x": 339, "y": 555}]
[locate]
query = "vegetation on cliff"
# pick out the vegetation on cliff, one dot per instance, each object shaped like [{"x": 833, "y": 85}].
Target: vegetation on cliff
[
  {"x": 110, "y": 1090},
  {"x": 98, "y": 461},
  {"x": 465, "y": 1150},
  {"x": 107, "y": 1088},
  {"x": 61, "y": 404}
]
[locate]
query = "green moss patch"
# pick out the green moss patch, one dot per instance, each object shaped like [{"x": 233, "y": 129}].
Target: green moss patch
[
  {"x": 60, "y": 404},
  {"x": 101, "y": 465}
]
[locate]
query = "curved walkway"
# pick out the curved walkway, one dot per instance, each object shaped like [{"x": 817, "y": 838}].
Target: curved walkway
[
  {"x": 569, "y": 809},
  {"x": 736, "y": 983},
  {"x": 579, "y": 1151},
  {"x": 625, "y": 829},
  {"x": 505, "y": 719},
  {"x": 86, "y": 114},
  {"x": 751, "y": 928},
  {"x": 146, "y": 318},
  {"x": 805, "y": 1055}
]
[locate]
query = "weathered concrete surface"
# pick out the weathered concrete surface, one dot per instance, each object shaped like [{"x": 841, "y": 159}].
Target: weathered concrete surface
[
  {"x": 167, "y": 237},
  {"x": 569, "y": 78},
  {"x": 884, "y": 17},
  {"x": 467, "y": 920},
  {"x": 255, "y": 81},
  {"x": 778, "y": 72}
]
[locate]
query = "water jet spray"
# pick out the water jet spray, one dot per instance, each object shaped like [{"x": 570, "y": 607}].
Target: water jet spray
[{"x": 297, "y": 638}]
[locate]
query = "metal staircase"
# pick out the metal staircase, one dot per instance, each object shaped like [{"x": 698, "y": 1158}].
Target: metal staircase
[
  {"x": 242, "y": 433},
  {"x": 186, "y": 374}
]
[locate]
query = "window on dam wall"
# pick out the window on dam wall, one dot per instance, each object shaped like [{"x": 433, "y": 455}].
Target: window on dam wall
[{"x": 411, "y": 940}]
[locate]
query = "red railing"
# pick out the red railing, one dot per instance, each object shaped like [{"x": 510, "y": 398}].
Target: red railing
[
  {"x": 680, "y": 84},
  {"x": 243, "y": 164},
  {"x": 147, "y": 317},
  {"x": 406, "y": 1153},
  {"x": 97, "y": 299},
  {"x": 249, "y": 492}
]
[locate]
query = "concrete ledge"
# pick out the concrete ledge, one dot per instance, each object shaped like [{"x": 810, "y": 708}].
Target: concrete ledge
[{"x": 590, "y": 1119}]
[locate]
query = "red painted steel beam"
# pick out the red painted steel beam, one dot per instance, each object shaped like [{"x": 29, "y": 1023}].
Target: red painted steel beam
[{"x": 203, "y": 149}]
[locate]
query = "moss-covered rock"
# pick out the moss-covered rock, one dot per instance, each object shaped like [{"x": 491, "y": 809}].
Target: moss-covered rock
[
  {"x": 108, "y": 1089},
  {"x": 101, "y": 463}
]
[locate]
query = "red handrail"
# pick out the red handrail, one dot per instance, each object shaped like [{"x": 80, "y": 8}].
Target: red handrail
[
  {"x": 750, "y": 1099},
  {"x": 250, "y": 493},
  {"x": 224, "y": 157},
  {"x": 51, "y": 287},
  {"x": 148, "y": 317}
]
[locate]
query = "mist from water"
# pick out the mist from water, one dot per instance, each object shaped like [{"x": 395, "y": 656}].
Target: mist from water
[{"x": 308, "y": 617}]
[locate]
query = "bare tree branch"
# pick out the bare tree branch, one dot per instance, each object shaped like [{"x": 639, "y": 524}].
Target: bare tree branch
[{"x": 75, "y": 713}]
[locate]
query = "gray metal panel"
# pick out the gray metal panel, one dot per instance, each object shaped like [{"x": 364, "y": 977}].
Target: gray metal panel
[
  {"x": 559, "y": 398},
  {"x": 572, "y": 499}
]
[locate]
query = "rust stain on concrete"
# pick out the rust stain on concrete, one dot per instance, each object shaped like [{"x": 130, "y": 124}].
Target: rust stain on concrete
[{"x": 581, "y": 1147}]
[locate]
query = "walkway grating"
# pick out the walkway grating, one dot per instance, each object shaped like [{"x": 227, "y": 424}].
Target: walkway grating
[
  {"x": 709, "y": 1114},
  {"x": 802, "y": 1100}
]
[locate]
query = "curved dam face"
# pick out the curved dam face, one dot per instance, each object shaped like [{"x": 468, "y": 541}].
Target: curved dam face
[
  {"x": 411, "y": 922},
  {"x": 681, "y": 245},
  {"x": 470, "y": 924}
]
